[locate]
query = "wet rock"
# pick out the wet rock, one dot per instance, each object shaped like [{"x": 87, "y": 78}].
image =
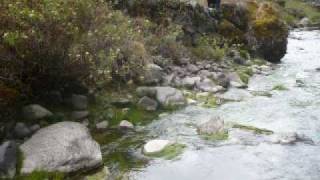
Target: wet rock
[
  {"x": 148, "y": 104},
  {"x": 21, "y": 131},
  {"x": 213, "y": 126},
  {"x": 189, "y": 82},
  {"x": 35, "y": 112},
  {"x": 169, "y": 97},
  {"x": 8, "y": 159},
  {"x": 208, "y": 85},
  {"x": 191, "y": 101},
  {"x": 153, "y": 74},
  {"x": 121, "y": 102},
  {"x": 79, "y": 102},
  {"x": 79, "y": 115},
  {"x": 205, "y": 74},
  {"x": 289, "y": 138},
  {"x": 64, "y": 147},
  {"x": 102, "y": 125},
  {"x": 235, "y": 80},
  {"x": 155, "y": 146},
  {"x": 126, "y": 125},
  {"x": 146, "y": 91}
]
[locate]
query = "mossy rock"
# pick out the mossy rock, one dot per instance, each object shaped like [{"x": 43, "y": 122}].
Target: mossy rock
[
  {"x": 252, "y": 128},
  {"x": 280, "y": 87},
  {"x": 169, "y": 152},
  {"x": 220, "y": 136}
]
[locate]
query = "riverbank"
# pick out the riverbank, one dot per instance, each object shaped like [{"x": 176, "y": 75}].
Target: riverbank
[{"x": 157, "y": 74}]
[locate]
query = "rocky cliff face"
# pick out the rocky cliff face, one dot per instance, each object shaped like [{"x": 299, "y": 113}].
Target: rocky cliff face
[{"x": 258, "y": 25}]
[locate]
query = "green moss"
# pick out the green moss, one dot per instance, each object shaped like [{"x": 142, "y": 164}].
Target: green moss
[
  {"x": 279, "y": 87},
  {"x": 244, "y": 76},
  {"x": 210, "y": 102},
  {"x": 262, "y": 93},
  {"x": 42, "y": 175},
  {"x": 252, "y": 128},
  {"x": 217, "y": 136},
  {"x": 169, "y": 152},
  {"x": 20, "y": 159},
  {"x": 100, "y": 175}
]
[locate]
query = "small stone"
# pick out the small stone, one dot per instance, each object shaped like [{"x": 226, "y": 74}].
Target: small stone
[
  {"x": 8, "y": 160},
  {"x": 78, "y": 115},
  {"x": 35, "y": 112},
  {"x": 189, "y": 82},
  {"x": 102, "y": 125},
  {"x": 79, "y": 102},
  {"x": 235, "y": 80},
  {"x": 21, "y": 130},
  {"x": 207, "y": 85},
  {"x": 148, "y": 104},
  {"x": 155, "y": 146},
  {"x": 191, "y": 101},
  {"x": 126, "y": 125}
]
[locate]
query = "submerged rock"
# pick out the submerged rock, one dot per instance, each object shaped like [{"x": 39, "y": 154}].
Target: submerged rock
[
  {"x": 63, "y": 147},
  {"x": 35, "y": 112},
  {"x": 8, "y": 159}
]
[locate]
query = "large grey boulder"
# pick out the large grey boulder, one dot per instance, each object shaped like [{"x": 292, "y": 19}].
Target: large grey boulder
[
  {"x": 170, "y": 97},
  {"x": 8, "y": 159},
  {"x": 64, "y": 147},
  {"x": 35, "y": 112},
  {"x": 213, "y": 126},
  {"x": 153, "y": 74},
  {"x": 79, "y": 102},
  {"x": 148, "y": 104}
]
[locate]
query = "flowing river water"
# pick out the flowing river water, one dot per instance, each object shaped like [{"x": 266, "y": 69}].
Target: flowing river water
[{"x": 296, "y": 109}]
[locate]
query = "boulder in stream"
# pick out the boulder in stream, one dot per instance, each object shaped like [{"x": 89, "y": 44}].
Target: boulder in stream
[{"x": 63, "y": 147}]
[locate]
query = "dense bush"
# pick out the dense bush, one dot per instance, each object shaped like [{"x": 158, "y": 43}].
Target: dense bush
[{"x": 46, "y": 44}]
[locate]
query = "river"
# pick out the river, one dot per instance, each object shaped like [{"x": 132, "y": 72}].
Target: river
[{"x": 295, "y": 109}]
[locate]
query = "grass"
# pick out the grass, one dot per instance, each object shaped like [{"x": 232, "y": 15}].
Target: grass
[
  {"x": 280, "y": 87},
  {"x": 217, "y": 136},
  {"x": 169, "y": 152},
  {"x": 252, "y": 128}
]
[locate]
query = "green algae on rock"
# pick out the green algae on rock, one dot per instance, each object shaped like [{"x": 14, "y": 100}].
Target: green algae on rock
[
  {"x": 252, "y": 128},
  {"x": 169, "y": 152}
]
